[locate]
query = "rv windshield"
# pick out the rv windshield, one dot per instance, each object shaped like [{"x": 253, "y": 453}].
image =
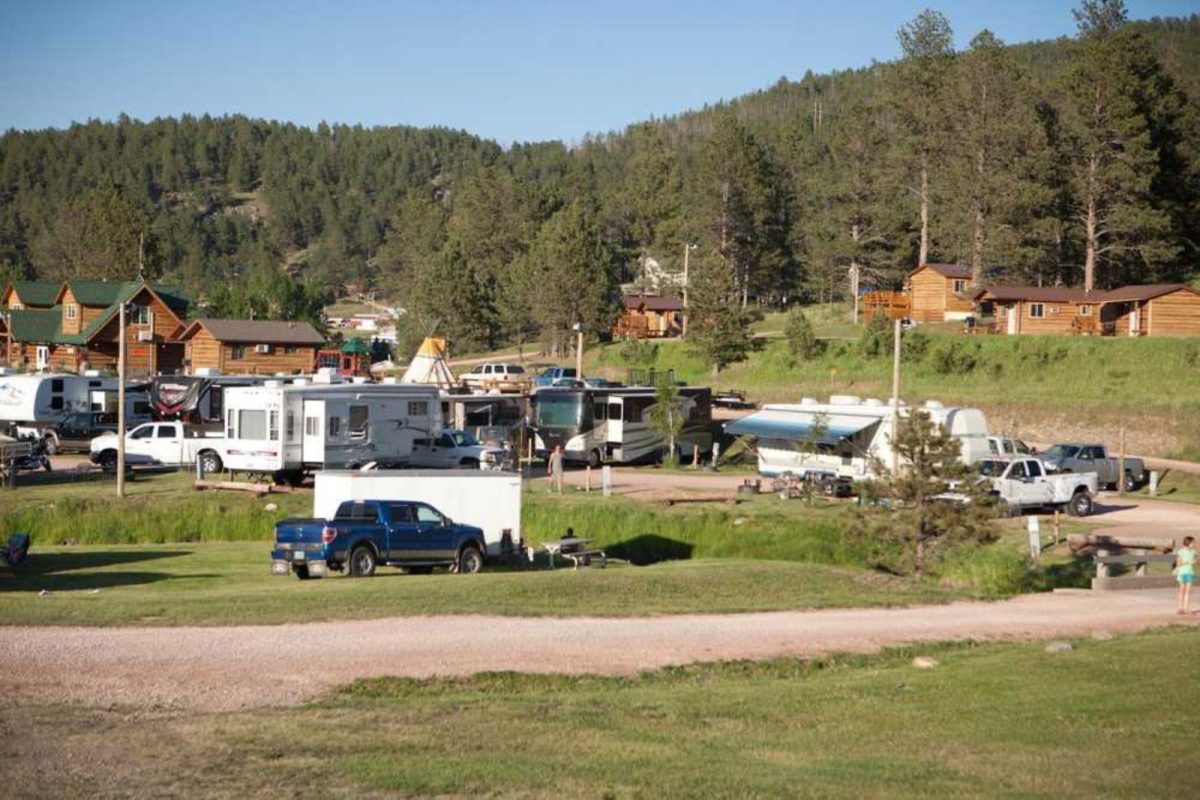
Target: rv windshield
[{"x": 559, "y": 410}]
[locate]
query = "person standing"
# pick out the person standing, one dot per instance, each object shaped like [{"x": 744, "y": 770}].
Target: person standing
[
  {"x": 555, "y": 464},
  {"x": 1185, "y": 573}
]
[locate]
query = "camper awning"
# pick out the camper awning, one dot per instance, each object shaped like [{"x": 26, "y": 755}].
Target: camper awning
[{"x": 792, "y": 425}]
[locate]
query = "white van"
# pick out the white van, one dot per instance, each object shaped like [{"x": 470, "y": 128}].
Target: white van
[{"x": 497, "y": 377}]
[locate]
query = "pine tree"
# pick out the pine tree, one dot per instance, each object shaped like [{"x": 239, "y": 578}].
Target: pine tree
[
  {"x": 1111, "y": 91},
  {"x": 801, "y": 339},
  {"x": 718, "y": 328},
  {"x": 919, "y": 90}
]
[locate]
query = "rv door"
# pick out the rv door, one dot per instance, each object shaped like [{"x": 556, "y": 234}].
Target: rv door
[
  {"x": 313, "y": 442},
  {"x": 616, "y": 420}
]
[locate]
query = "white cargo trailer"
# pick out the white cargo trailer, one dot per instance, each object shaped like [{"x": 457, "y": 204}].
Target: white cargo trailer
[
  {"x": 488, "y": 500},
  {"x": 300, "y": 427},
  {"x": 848, "y": 436}
]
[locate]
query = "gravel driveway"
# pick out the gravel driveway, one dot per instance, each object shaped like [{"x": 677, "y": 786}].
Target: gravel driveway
[{"x": 247, "y": 666}]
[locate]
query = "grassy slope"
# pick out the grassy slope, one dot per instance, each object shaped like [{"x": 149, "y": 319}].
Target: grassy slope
[{"x": 1114, "y": 719}]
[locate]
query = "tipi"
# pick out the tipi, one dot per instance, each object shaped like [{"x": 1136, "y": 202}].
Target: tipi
[{"x": 429, "y": 365}]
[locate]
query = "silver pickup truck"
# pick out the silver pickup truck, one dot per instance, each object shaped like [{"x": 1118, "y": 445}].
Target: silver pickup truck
[
  {"x": 1064, "y": 458},
  {"x": 1024, "y": 483}
]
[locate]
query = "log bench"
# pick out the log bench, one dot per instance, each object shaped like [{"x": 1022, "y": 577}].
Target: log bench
[{"x": 1139, "y": 580}]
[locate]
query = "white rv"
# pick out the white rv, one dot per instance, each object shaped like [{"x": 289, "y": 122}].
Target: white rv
[
  {"x": 599, "y": 425},
  {"x": 301, "y": 426},
  {"x": 848, "y": 436},
  {"x": 41, "y": 404}
]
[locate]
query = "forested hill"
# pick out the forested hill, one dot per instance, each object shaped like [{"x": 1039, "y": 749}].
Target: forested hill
[{"x": 978, "y": 156}]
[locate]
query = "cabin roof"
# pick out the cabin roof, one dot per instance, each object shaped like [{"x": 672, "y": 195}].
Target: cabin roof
[
  {"x": 1040, "y": 294},
  {"x": 35, "y": 324},
  {"x": 1146, "y": 291},
  {"x": 946, "y": 270},
  {"x": 36, "y": 293},
  {"x": 257, "y": 331},
  {"x": 653, "y": 302},
  {"x": 109, "y": 293}
]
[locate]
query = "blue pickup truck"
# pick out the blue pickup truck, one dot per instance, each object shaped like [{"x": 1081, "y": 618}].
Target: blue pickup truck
[{"x": 366, "y": 533}]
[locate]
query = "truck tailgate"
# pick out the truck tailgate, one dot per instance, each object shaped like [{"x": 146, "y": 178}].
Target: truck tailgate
[{"x": 292, "y": 532}]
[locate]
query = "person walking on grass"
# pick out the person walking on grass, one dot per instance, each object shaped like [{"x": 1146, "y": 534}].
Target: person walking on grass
[
  {"x": 555, "y": 466},
  {"x": 1185, "y": 573}
]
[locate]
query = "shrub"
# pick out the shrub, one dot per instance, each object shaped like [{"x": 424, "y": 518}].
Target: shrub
[
  {"x": 801, "y": 339},
  {"x": 953, "y": 358},
  {"x": 876, "y": 339},
  {"x": 913, "y": 346},
  {"x": 638, "y": 353}
]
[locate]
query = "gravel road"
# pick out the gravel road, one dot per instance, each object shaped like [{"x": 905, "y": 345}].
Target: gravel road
[{"x": 217, "y": 669}]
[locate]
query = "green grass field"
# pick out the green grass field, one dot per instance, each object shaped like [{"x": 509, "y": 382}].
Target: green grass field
[{"x": 1109, "y": 719}]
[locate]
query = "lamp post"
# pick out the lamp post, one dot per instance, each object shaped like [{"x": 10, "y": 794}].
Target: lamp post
[
  {"x": 578, "y": 328},
  {"x": 687, "y": 251}
]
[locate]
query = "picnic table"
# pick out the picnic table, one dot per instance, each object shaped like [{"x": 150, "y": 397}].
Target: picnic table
[{"x": 575, "y": 549}]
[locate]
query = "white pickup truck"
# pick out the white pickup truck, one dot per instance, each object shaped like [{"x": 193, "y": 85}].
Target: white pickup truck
[
  {"x": 166, "y": 443},
  {"x": 450, "y": 449},
  {"x": 1024, "y": 483}
]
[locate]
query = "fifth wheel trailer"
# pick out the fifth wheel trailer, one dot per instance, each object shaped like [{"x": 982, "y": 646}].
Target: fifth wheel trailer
[
  {"x": 490, "y": 501},
  {"x": 848, "y": 436},
  {"x": 289, "y": 429}
]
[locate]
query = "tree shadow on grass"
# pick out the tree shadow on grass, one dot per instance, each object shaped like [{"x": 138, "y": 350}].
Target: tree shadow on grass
[
  {"x": 650, "y": 548},
  {"x": 73, "y": 571}
]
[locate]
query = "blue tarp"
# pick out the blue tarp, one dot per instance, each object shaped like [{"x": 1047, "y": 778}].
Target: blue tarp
[{"x": 791, "y": 426}]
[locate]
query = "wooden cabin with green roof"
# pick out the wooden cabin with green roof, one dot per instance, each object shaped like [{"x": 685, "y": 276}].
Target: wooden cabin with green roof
[{"x": 19, "y": 295}]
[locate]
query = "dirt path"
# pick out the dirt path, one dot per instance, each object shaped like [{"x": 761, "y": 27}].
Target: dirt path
[{"x": 247, "y": 666}]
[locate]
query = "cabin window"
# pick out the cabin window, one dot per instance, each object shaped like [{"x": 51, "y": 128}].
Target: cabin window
[
  {"x": 1037, "y": 310},
  {"x": 273, "y": 426},
  {"x": 237, "y": 352},
  {"x": 334, "y": 428},
  {"x": 72, "y": 311},
  {"x": 1085, "y": 311},
  {"x": 359, "y": 415},
  {"x": 252, "y": 424},
  {"x": 418, "y": 408},
  {"x": 289, "y": 351},
  {"x": 142, "y": 315},
  {"x": 960, "y": 285}
]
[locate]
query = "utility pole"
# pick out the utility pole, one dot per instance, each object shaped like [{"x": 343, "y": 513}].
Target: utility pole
[
  {"x": 687, "y": 250},
  {"x": 121, "y": 403},
  {"x": 854, "y": 288},
  {"x": 895, "y": 396}
]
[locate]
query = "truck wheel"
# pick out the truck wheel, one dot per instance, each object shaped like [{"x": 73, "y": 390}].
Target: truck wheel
[
  {"x": 1081, "y": 504},
  {"x": 302, "y": 573},
  {"x": 108, "y": 460},
  {"x": 595, "y": 459},
  {"x": 470, "y": 560},
  {"x": 1131, "y": 484},
  {"x": 361, "y": 563},
  {"x": 50, "y": 443},
  {"x": 210, "y": 461}
]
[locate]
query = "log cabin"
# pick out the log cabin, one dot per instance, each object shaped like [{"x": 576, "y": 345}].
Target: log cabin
[
  {"x": 649, "y": 316},
  {"x": 1162, "y": 309},
  {"x": 81, "y": 329},
  {"x": 251, "y": 347},
  {"x": 939, "y": 293},
  {"x": 1170, "y": 309},
  {"x": 29, "y": 294}
]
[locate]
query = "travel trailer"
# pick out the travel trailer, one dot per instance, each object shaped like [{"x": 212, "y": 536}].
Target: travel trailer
[
  {"x": 603, "y": 425},
  {"x": 293, "y": 428},
  {"x": 848, "y": 436},
  {"x": 46, "y": 398}
]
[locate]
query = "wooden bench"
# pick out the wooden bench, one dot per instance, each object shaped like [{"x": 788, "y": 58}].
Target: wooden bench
[{"x": 583, "y": 558}]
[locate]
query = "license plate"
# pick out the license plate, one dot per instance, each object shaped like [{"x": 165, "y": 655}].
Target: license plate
[{"x": 298, "y": 555}]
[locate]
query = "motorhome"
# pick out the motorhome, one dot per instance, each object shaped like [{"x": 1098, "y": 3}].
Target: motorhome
[
  {"x": 848, "y": 436},
  {"x": 298, "y": 427},
  {"x": 612, "y": 425}
]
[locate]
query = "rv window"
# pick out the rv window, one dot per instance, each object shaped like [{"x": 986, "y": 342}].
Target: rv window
[
  {"x": 56, "y": 385},
  {"x": 312, "y": 426},
  {"x": 229, "y": 425},
  {"x": 335, "y": 427},
  {"x": 418, "y": 408},
  {"x": 56, "y": 402},
  {"x": 251, "y": 424},
  {"x": 599, "y": 411},
  {"x": 291, "y": 426},
  {"x": 273, "y": 426},
  {"x": 93, "y": 384},
  {"x": 359, "y": 415}
]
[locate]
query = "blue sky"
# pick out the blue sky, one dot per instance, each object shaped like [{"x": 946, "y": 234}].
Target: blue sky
[{"x": 506, "y": 70}]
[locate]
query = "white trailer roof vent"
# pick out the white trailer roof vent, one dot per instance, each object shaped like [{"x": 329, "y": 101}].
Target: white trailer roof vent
[
  {"x": 358, "y": 379},
  {"x": 808, "y": 401},
  {"x": 873, "y": 402},
  {"x": 391, "y": 381},
  {"x": 845, "y": 400},
  {"x": 933, "y": 404},
  {"x": 207, "y": 372},
  {"x": 91, "y": 373},
  {"x": 300, "y": 382},
  {"x": 273, "y": 384}
]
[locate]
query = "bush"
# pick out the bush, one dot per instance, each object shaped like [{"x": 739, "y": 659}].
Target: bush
[
  {"x": 954, "y": 358},
  {"x": 876, "y": 339},
  {"x": 638, "y": 353},
  {"x": 913, "y": 346}
]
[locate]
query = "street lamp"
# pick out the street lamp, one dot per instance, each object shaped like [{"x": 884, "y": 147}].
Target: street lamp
[{"x": 578, "y": 328}]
